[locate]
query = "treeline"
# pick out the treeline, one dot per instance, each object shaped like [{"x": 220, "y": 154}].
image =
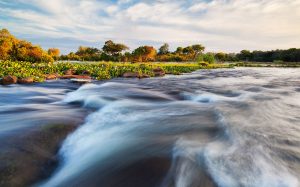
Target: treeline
[
  {"x": 15, "y": 49},
  {"x": 112, "y": 51},
  {"x": 290, "y": 55},
  {"x": 119, "y": 52}
]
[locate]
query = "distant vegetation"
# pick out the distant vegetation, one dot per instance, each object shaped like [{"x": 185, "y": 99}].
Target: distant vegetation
[
  {"x": 15, "y": 49},
  {"x": 290, "y": 55}
]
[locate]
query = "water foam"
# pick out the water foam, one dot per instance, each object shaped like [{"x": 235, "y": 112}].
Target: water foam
[{"x": 232, "y": 160}]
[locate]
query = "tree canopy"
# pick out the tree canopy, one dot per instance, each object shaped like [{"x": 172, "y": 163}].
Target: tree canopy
[{"x": 12, "y": 48}]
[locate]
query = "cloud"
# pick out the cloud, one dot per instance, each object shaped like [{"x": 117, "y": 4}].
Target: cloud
[{"x": 221, "y": 25}]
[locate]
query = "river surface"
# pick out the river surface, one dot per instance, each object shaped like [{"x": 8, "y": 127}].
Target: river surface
[{"x": 226, "y": 128}]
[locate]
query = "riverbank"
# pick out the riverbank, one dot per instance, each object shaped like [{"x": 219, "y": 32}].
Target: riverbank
[{"x": 26, "y": 72}]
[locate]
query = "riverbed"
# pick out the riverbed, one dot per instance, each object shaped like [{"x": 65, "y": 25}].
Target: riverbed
[{"x": 222, "y": 127}]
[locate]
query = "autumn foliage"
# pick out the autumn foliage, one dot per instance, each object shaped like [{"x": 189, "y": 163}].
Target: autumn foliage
[{"x": 12, "y": 48}]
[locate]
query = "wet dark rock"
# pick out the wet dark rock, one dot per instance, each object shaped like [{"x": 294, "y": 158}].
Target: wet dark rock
[
  {"x": 26, "y": 80},
  {"x": 131, "y": 75},
  {"x": 75, "y": 77},
  {"x": 32, "y": 156},
  {"x": 9, "y": 80},
  {"x": 51, "y": 76},
  {"x": 158, "y": 72}
]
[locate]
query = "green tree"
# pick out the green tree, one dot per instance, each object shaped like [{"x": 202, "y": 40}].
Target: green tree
[
  {"x": 188, "y": 50},
  {"x": 209, "y": 57},
  {"x": 198, "y": 48},
  {"x": 114, "y": 49},
  {"x": 164, "y": 49},
  {"x": 179, "y": 50},
  {"x": 245, "y": 55},
  {"x": 221, "y": 56}
]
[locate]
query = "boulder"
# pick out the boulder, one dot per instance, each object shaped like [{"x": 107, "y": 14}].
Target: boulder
[
  {"x": 9, "y": 80},
  {"x": 75, "y": 77},
  {"x": 51, "y": 76},
  {"x": 26, "y": 80},
  {"x": 158, "y": 72},
  {"x": 70, "y": 72},
  {"x": 131, "y": 75}
]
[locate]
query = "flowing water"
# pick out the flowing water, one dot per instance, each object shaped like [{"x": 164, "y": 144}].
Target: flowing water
[{"x": 227, "y": 128}]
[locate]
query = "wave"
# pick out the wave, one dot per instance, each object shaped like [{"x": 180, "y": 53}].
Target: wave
[{"x": 231, "y": 160}]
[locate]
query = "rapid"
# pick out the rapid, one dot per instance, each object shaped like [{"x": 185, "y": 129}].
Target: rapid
[{"x": 224, "y": 127}]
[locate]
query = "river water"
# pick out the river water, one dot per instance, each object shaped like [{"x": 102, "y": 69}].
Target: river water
[{"x": 224, "y": 127}]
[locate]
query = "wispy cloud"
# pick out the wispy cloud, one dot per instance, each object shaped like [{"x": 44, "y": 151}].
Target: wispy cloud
[{"x": 221, "y": 25}]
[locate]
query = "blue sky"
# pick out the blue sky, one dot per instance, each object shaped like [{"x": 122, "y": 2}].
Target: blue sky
[{"x": 220, "y": 25}]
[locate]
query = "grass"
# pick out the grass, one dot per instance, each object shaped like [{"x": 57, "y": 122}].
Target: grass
[{"x": 99, "y": 70}]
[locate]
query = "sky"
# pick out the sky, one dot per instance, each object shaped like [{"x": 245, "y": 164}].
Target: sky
[{"x": 220, "y": 25}]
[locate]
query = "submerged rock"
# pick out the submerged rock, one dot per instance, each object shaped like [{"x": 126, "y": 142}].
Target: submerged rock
[
  {"x": 26, "y": 80},
  {"x": 75, "y": 77},
  {"x": 32, "y": 156},
  {"x": 144, "y": 76},
  {"x": 9, "y": 80},
  {"x": 81, "y": 81}
]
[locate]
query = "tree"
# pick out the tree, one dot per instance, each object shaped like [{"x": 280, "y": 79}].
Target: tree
[
  {"x": 188, "y": 50},
  {"x": 198, "y": 48},
  {"x": 114, "y": 49},
  {"x": 13, "y": 49},
  {"x": 144, "y": 54},
  {"x": 179, "y": 50},
  {"x": 164, "y": 49},
  {"x": 245, "y": 55},
  {"x": 54, "y": 53},
  {"x": 209, "y": 57},
  {"x": 88, "y": 53},
  {"x": 7, "y": 43},
  {"x": 221, "y": 56}
]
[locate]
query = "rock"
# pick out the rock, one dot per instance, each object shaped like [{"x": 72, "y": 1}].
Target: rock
[
  {"x": 158, "y": 72},
  {"x": 144, "y": 76},
  {"x": 70, "y": 72},
  {"x": 26, "y": 80},
  {"x": 51, "y": 76},
  {"x": 131, "y": 75},
  {"x": 9, "y": 80},
  {"x": 75, "y": 77},
  {"x": 81, "y": 81},
  {"x": 31, "y": 156}
]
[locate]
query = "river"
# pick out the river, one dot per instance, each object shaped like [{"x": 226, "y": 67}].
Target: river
[{"x": 223, "y": 127}]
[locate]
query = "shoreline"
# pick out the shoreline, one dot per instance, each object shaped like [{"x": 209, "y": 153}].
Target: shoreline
[{"x": 27, "y": 73}]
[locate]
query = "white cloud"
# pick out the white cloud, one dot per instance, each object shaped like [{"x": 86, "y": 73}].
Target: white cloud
[{"x": 227, "y": 25}]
